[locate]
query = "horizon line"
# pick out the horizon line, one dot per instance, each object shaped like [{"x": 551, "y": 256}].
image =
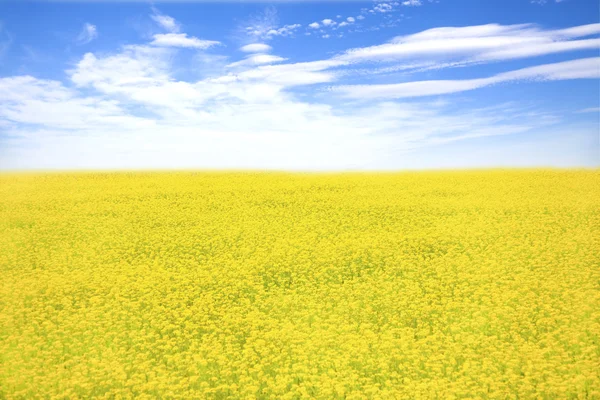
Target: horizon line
[{"x": 6, "y": 172}]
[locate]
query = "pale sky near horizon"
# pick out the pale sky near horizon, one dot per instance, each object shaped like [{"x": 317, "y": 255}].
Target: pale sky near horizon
[{"x": 297, "y": 85}]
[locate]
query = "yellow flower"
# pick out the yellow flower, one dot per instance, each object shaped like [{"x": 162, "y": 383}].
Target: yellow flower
[{"x": 480, "y": 284}]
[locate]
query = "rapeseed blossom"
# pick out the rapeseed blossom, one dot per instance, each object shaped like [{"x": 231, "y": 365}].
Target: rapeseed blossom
[{"x": 482, "y": 284}]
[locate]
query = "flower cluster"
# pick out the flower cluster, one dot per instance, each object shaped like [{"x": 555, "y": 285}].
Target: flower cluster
[{"x": 480, "y": 284}]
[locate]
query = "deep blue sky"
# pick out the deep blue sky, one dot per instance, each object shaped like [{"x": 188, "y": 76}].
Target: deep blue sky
[{"x": 323, "y": 85}]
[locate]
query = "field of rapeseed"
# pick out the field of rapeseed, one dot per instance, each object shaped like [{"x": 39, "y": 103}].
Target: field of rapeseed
[{"x": 482, "y": 284}]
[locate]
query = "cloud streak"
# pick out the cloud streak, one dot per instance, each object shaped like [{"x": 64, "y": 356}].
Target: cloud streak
[
  {"x": 484, "y": 43},
  {"x": 182, "y": 40},
  {"x": 587, "y": 68},
  {"x": 257, "y": 59}
]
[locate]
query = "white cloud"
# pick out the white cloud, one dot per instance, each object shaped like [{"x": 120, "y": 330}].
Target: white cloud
[
  {"x": 130, "y": 109},
  {"x": 289, "y": 75},
  {"x": 533, "y": 49},
  {"x": 481, "y": 43},
  {"x": 182, "y": 40},
  {"x": 257, "y": 59},
  {"x": 412, "y": 3},
  {"x": 28, "y": 100},
  {"x": 256, "y": 48},
  {"x": 350, "y": 19},
  {"x": 166, "y": 22},
  {"x": 207, "y": 64},
  {"x": 342, "y": 24},
  {"x": 409, "y": 89},
  {"x": 132, "y": 68},
  {"x": 359, "y": 17},
  {"x": 587, "y": 68},
  {"x": 577, "y": 31},
  {"x": 314, "y": 25},
  {"x": 259, "y": 24},
  {"x": 383, "y": 8},
  {"x": 88, "y": 33},
  {"x": 250, "y": 124},
  {"x": 545, "y": 1},
  {"x": 265, "y": 26},
  {"x": 328, "y": 22},
  {"x": 286, "y": 30}
]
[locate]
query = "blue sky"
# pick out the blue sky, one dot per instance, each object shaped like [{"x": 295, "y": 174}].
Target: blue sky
[{"x": 296, "y": 85}]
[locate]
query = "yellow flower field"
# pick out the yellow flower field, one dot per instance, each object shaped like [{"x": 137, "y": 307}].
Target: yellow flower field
[{"x": 227, "y": 285}]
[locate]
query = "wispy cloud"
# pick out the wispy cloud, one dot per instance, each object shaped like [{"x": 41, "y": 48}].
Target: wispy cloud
[
  {"x": 88, "y": 33},
  {"x": 257, "y": 59},
  {"x": 541, "y": 2},
  {"x": 166, "y": 22},
  {"x": 587, "y": 68},
  {"x": 477, "y": 44},
  {"x": 590, "y": 110},
  {"x": 265, "y": 26}
]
